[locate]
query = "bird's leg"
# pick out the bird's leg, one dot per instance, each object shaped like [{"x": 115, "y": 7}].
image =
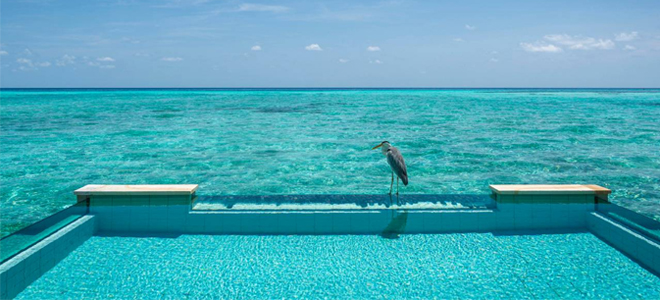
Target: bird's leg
[
  {"x": 392, "y": 184},
  {"x": 397, "y": 188}
]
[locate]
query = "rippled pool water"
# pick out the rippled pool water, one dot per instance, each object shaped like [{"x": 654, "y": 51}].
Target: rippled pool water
[
  {"x": 445, "y": 266},
  {"x": 262, "y": 142}
]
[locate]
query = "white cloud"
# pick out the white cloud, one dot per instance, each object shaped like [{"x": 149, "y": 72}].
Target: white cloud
[
  {"x": 494, "y": 60},
  {"x": 378, "y": 62},
  {"x": 313, "y": 47},
  {"x": 98, "y": 64},
  {"x": 625, "y": 37},
  {"x": 262, "y": 7},
  {"x": 459, "y": 40},
  {"x": 570, "y": 42},
  {"x": 469, "y": 27},
  {"x": 29, "y": 65},
  {"x": 3, "y": 52},
  {"x": 27, "y": 52},
  {"x": 629, "y": 48},
  {"x": 256, "y": 48},
  {"x": 579, "y": 42},
  {"x": 171, "y": 59},
  {"x": 105, "y": 59},
  {"x": 343, "y": 60},
  {"x": 373, "y": 48},
  {"x": 65, "y": 60},
  {"x": 537, "y": 47}
]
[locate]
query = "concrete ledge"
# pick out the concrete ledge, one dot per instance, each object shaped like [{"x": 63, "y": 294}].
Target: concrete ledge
[
  {"x": 146, "y": 189},
  {"x": 549, "y": 189},
  {"x": 21, "y": 270},
  {"x": 549, "y": 193}
]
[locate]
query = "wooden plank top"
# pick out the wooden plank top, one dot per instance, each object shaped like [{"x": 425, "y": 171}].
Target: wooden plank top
[
  {"x": 549, "y": 189},
  {"x": 145, "y": 189}
]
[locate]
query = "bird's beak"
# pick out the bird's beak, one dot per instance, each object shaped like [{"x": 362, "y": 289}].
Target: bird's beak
[{"x": 377, "y": 146}]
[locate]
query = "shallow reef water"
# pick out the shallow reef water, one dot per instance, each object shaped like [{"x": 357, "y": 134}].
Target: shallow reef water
[{"x": 278, "y": 142}]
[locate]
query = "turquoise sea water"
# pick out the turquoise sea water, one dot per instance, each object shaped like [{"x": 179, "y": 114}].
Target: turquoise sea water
[
  {"x": 264, "y": 142},
  {"x": 444, "y": 266}
]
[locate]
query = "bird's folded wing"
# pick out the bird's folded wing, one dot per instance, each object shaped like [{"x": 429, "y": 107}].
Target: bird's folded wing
[{"x": 395, "y": 159}]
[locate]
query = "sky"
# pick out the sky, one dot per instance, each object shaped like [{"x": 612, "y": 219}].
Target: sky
[{"x": 209, "y": 43}]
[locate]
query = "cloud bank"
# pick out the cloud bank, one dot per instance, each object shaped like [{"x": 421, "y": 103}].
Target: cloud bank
[
  {"x": 538, "y": 47},
  {"x": 626, "y": 37}
]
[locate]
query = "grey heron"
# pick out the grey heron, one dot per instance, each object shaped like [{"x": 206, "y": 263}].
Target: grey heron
[{"x": 398, "y": 166}]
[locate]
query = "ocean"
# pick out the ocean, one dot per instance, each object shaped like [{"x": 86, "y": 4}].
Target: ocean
[{"x": 318, "y": 141}]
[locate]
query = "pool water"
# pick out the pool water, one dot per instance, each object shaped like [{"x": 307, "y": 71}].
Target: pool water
[
  {"x": 286, "y": 142},
  {"x": 474, "y": 266}
]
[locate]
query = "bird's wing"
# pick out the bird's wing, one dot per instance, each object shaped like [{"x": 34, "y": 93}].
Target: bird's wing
[{"x": 395, "y": 159}]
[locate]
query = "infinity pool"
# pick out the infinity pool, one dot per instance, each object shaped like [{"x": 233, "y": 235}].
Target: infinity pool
[{"x": 475, "y": 265}]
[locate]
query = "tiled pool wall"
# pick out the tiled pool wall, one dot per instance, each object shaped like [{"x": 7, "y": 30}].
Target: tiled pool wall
[
  {"x": 21, "y": 270},
  {"x": 141, "y": 213},
  {"x": 144, "y": 213},
  {"x": 637, "y": 246},
  {"x": 160, "y": 215}
]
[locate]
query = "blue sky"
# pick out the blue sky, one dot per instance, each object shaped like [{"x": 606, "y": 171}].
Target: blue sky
[{"x": 211, "y": 43}]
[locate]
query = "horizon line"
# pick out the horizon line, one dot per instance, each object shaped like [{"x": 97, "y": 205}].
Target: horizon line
[{"x": 328, "y": 88}]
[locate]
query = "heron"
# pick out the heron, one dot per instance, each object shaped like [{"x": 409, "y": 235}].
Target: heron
[{"x": 398, "y": 166}]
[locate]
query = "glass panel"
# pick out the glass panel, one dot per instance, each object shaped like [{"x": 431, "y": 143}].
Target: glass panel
[
  {"x": 18, "y": 241},
  {"x": 637, "y": 222},
  {"x": 341, "y": 202}
]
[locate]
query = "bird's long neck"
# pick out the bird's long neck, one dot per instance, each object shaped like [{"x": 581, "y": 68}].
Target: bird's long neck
[{"x": 385, "y": 149}]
